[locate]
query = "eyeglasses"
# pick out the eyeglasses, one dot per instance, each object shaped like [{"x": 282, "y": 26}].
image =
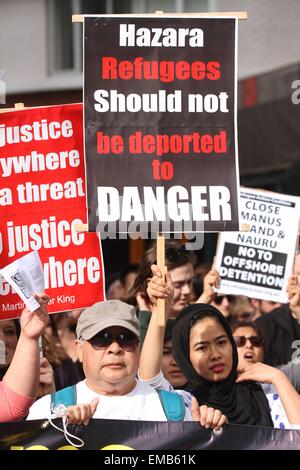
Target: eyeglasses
[
  {"x": 219, "y": 299},
  {"x": 255, "y": 341},
  {"x": 174, "y": 254},
  {"x": 128, "y": 341}
]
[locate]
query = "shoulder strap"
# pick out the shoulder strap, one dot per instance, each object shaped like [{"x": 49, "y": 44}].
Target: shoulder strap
[
  {"x": 67, "y": 397},
  {"x": 172, "y": 404}
]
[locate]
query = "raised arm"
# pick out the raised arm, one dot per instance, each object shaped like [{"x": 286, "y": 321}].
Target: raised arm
[
  {"x": 211, "y": 280},
  {"x": 22, "y": 376},
  {"x": 289, "y": 397},
  {"x": 293, "y": 290},
  {"x": 150, "y": 360}
]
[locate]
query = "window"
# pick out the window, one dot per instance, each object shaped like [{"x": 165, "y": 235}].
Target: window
[
  {"x": 61, "y": 36},
  {"x": 65, "y": 37}
]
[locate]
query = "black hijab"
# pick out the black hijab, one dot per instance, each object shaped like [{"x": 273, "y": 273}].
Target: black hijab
[{"x": 242, "y": 403}]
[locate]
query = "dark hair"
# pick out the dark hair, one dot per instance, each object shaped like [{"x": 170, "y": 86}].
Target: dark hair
[
  {"x": 169, "y": 329},
  {"x": 250, "y": 324},
  {"x": 200, "y": 316},
  {"x": 176, "y": 256},
  {"x": 17, "y": 326},
  {"x": 130, "y": 268},
  {"x": 110, "y": 278},
  {"x": 197, "y": 283}
]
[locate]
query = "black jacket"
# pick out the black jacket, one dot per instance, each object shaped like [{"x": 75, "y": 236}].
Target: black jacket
[{"x": 281, "y": 330}]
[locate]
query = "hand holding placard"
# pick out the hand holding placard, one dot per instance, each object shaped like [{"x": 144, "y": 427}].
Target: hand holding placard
[{"x": 26, "y": 276}]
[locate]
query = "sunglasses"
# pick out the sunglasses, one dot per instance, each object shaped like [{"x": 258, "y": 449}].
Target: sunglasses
[
  {"x": 255, "y": 341},
  {"x": 219, "y": 299},
  {"x": 127, "y": 341}
]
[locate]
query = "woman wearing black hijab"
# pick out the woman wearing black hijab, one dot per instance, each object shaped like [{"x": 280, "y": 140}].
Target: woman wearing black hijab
[
  {"x": 204, "y": 348},
  {"x": 205, "y": 351}
]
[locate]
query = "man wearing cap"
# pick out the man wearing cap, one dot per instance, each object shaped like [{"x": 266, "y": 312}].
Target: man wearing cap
[
  {"x": 107, "y": 343},
  {"x": 108, "y": 336}
]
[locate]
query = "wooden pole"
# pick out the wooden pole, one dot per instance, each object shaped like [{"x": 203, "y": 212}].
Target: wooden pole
[
  {"x": 17, "y": 107},
  {"x": 160, "y": 258},
  {"x": 241, "y": 15},
  {"x": 81, "y": 228}
]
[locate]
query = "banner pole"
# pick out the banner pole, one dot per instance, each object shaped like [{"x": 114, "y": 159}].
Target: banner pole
[
  {"x": 241, "y": 15},
  {"x": 160, "y": 257}
]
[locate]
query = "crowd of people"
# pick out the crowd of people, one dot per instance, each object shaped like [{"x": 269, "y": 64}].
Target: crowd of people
[{"x": 222, "y": 358}]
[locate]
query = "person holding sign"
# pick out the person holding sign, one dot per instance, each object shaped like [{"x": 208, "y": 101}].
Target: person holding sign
[
  {"x": 19, "y": 385},
  {"x": 180, "y": 263},
  {"x": 206, "y": 352},
  {"x": 108, "y": 336},
  {"x": 10, "y": 330}
]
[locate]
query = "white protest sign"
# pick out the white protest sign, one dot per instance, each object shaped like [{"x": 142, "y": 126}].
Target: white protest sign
[
  {"x": 26, "y": 276},
  {"x": 259, "y": 262}
]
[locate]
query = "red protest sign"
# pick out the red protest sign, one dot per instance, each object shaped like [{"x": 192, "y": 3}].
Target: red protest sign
[
  {"x": 42, "y": 198},
  {"x": 41, "y": 161}
]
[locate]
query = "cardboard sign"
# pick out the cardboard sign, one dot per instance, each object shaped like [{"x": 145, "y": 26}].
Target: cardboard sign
[
  {"x": 259, "y": 262},
  {"x": 160, "y": 124},
  {"x": 42, "y": 198}
]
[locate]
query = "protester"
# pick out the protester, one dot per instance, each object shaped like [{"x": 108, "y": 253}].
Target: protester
[
  {"x": 127, "y": 278},
  {"x": 115, "y": 288},
  {"x": 281, "y": 327},
  {"x": 56, "y": 369},
  {"x": 205, "y": 351},
  {"x": 66, "y": 366},
  {"x": 281, "y": 397},
  {"x": 19, "y": 385},
  {"x": 64, "y": 325},
  {"x": 209, "y": 295},
  {"x": 241, "y": 309},
  {"x": 180, "y": 263},
  {"x": 11, "y": 332},
  {"x": 263, "y": 307},
  {"x": 200, "y": 271},
  {"x": 108, "y": 345},
  {"x": 169, "y": 368}
]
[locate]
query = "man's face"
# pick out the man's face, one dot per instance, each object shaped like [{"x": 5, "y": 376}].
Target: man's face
[
  {"x": 182, "y": 280},
  {"x": 110, "y": 370}
]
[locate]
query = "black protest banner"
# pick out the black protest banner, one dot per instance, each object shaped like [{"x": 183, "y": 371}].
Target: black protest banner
[
  {"x": 160, "y": 118},
  {"x": 136, "y": 435}
]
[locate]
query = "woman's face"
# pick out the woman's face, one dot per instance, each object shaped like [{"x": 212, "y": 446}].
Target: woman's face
[
  {"x": 9, "y": 336},
  {"x": 169, "y": 367},
  {"x": 248, "y": 353},
  {"x": 210, "y": 350}
]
